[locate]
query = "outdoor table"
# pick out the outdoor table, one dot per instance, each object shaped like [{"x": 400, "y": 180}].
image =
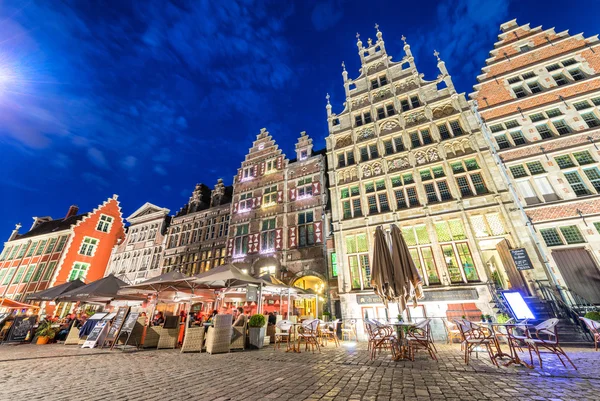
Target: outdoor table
[
  {"x": 401, "y": 337},
  {"x": 293, "y": 347},
  {"x": 513, "y": 355}
]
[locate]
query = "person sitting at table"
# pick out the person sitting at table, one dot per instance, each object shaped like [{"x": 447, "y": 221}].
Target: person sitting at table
[
  {"x": 159, "y": 319},
  {"x": 239, "y": 317},
  {"x": 212, "y": 316}
]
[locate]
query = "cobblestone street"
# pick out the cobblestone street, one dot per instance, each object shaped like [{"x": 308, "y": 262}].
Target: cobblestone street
[{"x": 48, "y": 372}]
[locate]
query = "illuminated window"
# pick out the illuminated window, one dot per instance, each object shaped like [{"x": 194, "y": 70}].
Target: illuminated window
[
  {"x": 88, "y": 246},
  {"x": 358, "y": 261}
]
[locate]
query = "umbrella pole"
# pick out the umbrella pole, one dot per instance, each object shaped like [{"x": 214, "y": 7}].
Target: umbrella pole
[
  {"x": 288, "y": 308},
  {"x": 280, "y": 303},
  {"x": 260, "y": 299}
]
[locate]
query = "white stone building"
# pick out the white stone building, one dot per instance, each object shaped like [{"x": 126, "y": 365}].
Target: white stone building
[{"x": 138, "y": 257}]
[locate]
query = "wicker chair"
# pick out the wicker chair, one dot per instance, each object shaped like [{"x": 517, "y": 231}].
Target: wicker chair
[
  {"x": 329, "y": 332},
  {"x": 452, "y": 332},
  {"x": 152, "y": 336},
  {"x": 168, "y": 338},
  {"x": 546, "y": 338},
  {"x": 193, "y": 340},
  {"x": 309, "y": 333},
  {"x": 418, "y": 337},
  {"x": 594, "y": 327},
  {"x": 73, "y": 336},
  {"x": 282, "y": 332},
  {"x": 380, "y": 337},
  {"x": 349, "y": 330},
  {"x": 240, "y": 341},
  {"x": 218, "y": 338},
  {"x": 474, "y": 337}
]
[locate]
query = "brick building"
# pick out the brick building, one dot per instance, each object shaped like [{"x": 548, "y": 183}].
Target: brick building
[
  {"x": 197, "y": 236},
  {"x": 278, "y": 221},
  {"x": 139, "y": 256},
  {"x": 539, "y": 95},
  {"x": 410, "y": 152},
  {"x": 55, "y": 251}
]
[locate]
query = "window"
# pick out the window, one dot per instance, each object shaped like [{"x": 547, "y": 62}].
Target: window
[
  {"x": 518, "y": 138},
  {"x": 576, "y": 74},
  {"x": 49, "y": 271},
  {"x": 245, "y": 203},
  {"x": 560, "y": 79},
  {"x": 534, "y": 87},
  {"x": 357, "y": 250},
  {"x": 240, "y": 242},
  {"x": 377, "y": 197},
  {"x": 511, "y": 124},
  {"x": 450, "y": 230},
  {"x": 514, "y": 80},
  {"x": 519, "y": 91},
  {"x": 487, "y": 224},
  {"x": 502, "y": 141},
  {"x": 576, "y": 183},
  {"x": 536, "y": 117},
  {"x": 346, "y": 159},
  {"x": 535, "y": 168},
  {"x": 564, "y": 161},
  {"x": 78, "y": 271},
  {"x": 334, "y": 265},
  {"x": 29, "y": 274},
  {"x": 304, "y": 189},
  {"x": 417, "y": 238},
  {"x": 528, "y": 75},
  {"x": 378, "y": 82},
  {"x": 362, "y": 119},
  {"x": 61, "y": 243},
  {"x": 351, "y": 202},
  {"x": 270, "y": 196},
  {"x": 414, "y": 101},
  {"x": 383, "y": 112},
  {"x": 596, "y": 101},
  {"x": 584, "y": 104},
  {"x": 104, "y": 223},
  {"x": 390, "y": 109},
  {"x": 306, "y": 229},
  {"x": 561, "y": 127},
  {"x": 553, "y": 67},
  {"x": 524, "y": 48},
  {"x": 568, "y": 62},
  {"x": 469, "y": 183},
  {"x": 9, "y": 276},
  {"x": 39, "y": 250},
  {"x": 496, "y": 128},
  {"x": 19, "y": 274},
  {"x": 591, "y": 120},
  {"x": 32, "y": 248},
  {"x": 270, "y": 166},
  {"x": 267, "y": 235},
  {"x": 561, "y": 236},
  {"x": 544, "y": 131},
  {"x": 404, "y": 104},
  {"x": 393, "y": 145},
  {"x": 4, "y": 271},
  {"x": 583, "y": 157},
  {"x": 518, "y": 171},
  {"x": 247, "y": 173},
  {"x": 373, "y": 151},
  {"x": 14, "y": 252},
  {"x": 554, "y": 113},
  {"x": 456, "y": 254},
  {"x": 593, "y": 174},
  {"x": 405, "y": 191},
  {"x": 88, "y": 246},
  {"x": 38, "y": 272}
]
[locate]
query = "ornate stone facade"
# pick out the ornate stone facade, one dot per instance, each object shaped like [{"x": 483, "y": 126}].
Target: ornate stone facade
[
  {"x": 539, "y": 94},
  {"x": 138, "y": 257},
  {"x": 198, "y": 233},
  {"x": 424, "y": 166},
  {"x": 278, "y": 222}
]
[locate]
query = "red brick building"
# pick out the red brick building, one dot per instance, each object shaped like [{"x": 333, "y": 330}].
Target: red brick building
[
  {"x": 539, "y": 95},
  {"x": 55, "y": 251}
]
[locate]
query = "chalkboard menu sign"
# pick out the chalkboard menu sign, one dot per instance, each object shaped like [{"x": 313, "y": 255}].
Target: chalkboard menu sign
[
  {"x": 113, "y": 333},
  {"x": 96, "y": 335},
  {"x": 171, "y": 322},
  {"x": 130, "y": 322},
  {"x": 521, "y": 259},
  {"x": 21, "y": 329},
  {"x": 251, "y": 293}
]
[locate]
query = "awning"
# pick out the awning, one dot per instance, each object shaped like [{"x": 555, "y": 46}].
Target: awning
[
  {"x": 52, "y": 293},
  {"x": 12, "y": 304}
]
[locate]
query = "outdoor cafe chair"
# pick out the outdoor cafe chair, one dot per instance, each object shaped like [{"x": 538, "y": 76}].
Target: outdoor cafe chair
[
  {"x": 240, "y": 336},
  {"x": 283, "y": 333},
  {"x": 545, "y": 336},
  {"x": 218, "y": 337},
  {"x": 329, "y": 331},
  {"x": 168, "y": 338},
  {"x": 452, "y": 331},
  {"x": 419, "y": 337},
  {"x": 380, "y": 337},
  {"x": 474, "y": 337},
  {"x": 594, "y": 327},
  {"x": 309, "y": 333},
  {"x": 193, "y": 339},
  {"x": 349, "y": 330}
]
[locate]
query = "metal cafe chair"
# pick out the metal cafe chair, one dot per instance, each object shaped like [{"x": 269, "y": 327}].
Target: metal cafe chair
[
  {"x": 284, "y": 332},
  {"x": 349, "y": 330},
  {"x": 329, "y": 332},
  {"x": 545, "y": 336},
  {"x": 594, "y": 327},
  {"x": 309, "y": 333},
  {"x": 419, "y": 337},
  {"x": 473, "y": 337}
]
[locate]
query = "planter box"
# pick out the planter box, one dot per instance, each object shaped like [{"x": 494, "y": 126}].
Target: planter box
[{"x": 257, "y": 337}]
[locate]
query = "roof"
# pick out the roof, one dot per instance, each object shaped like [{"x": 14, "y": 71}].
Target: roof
[{"x": 52, "y": 226}]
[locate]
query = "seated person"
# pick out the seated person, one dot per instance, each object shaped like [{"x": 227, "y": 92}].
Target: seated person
[
  {"x": 159, "y": 319},
  {"x": 239, "y": 320}
]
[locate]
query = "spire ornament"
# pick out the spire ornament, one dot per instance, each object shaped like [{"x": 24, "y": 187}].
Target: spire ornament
[
  {"x": 343, "y": 66},
  {"x": 377, "y": 27},
  {"x": 403, "y": 38},
  {"x": 327, "y": 97},
  {"x": 437, "y": 55}
]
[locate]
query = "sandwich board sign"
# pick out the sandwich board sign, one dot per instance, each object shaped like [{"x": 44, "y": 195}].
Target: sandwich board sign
[
  {"x": 115, "y": 328},
  {"x": 127, "y": 328},
  {"x": 97, "y": 335}
]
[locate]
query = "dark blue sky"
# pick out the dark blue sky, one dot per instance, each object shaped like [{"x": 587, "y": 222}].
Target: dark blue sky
[{"x": 146, "y": 98}]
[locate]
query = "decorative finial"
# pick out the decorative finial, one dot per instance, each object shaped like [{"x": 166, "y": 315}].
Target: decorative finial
[
  {"x": 437, "y": 55},
  {"x": 403, "y": 39},
  {"x": 377, "y": 27},
  {"x": 327, "y": 97},
  {"x": 357, "y": 35},
  {"x": 343, "y": 66},
  {"x": 370, "y": 42}
]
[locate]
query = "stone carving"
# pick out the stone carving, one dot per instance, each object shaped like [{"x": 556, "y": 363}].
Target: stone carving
[
  {"x": 374, "y": 67},
  {"x": 365, "y": 134},
  {"x": 343, "y": 141},
  {"x": 415, "y": 118},
  {"x": 432, "y": 155},
  {"x": 421, "y": 158},
  {"x": 372, "y": 170},
  {"x": 443, "y": 111},
  {"x": 389, "y": 125},
  {"x": 407, "y": 85},
  {"x": 398, "y": 164},
  {"x": 361, "y": 101},
  {"x": 382, "y": 94},
  {"x": 347, "y": 175}
]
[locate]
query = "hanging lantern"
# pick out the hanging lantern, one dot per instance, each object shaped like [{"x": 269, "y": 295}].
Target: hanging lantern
[
  {"x": 253, "y": 303},
  {"x": 246, "y": 304},
  {"x": 276, "y": 302}
]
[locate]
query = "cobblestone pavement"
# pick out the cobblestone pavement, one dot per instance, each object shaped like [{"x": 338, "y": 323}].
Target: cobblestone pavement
[{"x": 58, "y": 372}]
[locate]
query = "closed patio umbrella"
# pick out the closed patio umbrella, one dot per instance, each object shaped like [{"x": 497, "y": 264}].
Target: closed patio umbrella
[
  {"x": 99, "y": 291},
  {"x": 52, "y": 293},
  {"x": 167, "y": 281},
  {"x": 407, "y": 280},
  {"x": 382, "y": 269}
]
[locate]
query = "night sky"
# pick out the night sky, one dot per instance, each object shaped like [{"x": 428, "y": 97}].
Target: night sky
[{"x": 146, "y": 98}]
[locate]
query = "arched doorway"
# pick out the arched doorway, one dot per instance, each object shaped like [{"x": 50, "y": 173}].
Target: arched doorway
[{"x": 308, "y": 306}]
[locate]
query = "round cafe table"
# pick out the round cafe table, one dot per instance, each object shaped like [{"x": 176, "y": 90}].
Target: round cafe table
[
  {"x": 400, "y": 331},
  {"x": 513, "y": 355}
]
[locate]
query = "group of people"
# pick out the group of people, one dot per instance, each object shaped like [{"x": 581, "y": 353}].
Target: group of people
[{"x": 71, "y": 320}]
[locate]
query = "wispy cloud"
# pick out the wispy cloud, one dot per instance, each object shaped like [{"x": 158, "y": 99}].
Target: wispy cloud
[
  {"x": 327, "y": 14},
  {"x": 97, "y": 158},
  {"x": 158, "y": 169}
]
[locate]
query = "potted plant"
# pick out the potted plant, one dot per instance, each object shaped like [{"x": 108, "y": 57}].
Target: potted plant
[
  {"x": 503, "y": 318},
  {"x": 489, "y": 318},
  {"x": 594, "y": 315},
  {"x": 325, "y": 316},
  {"x": 482, "y": 317},
  {"x": 45, "y": 332},
  {"x": 257, "y": 330}
]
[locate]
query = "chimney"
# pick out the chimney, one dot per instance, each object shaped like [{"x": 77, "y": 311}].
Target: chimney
[{"x": 73, "y": 209}]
